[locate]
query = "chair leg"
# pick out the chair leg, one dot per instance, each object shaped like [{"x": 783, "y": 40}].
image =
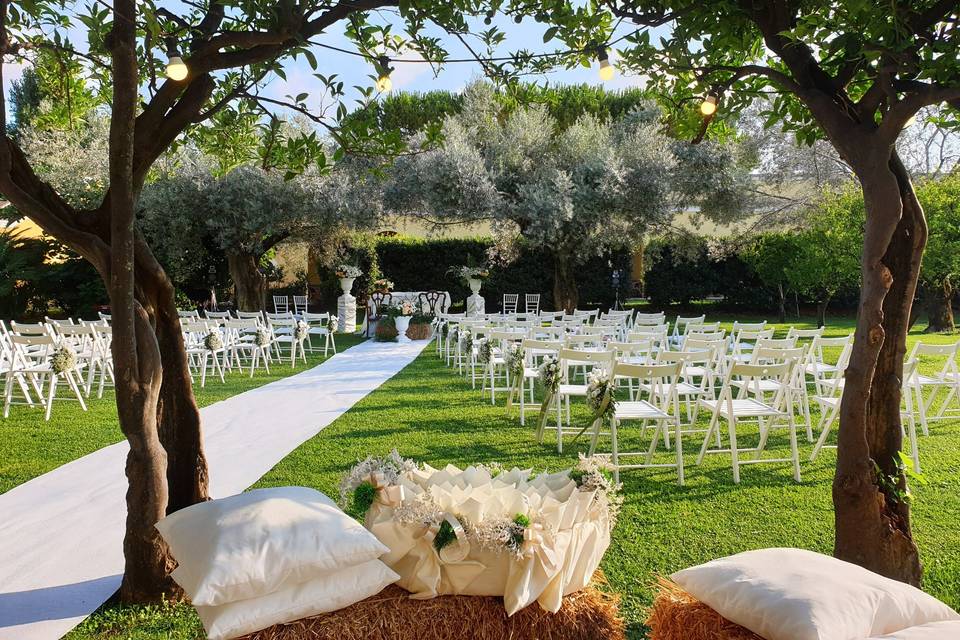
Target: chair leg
[
  {"x": 794, "y": 451},
  {"x": 734, "y": 454},
  {"x": 706, "y": 438},
  {"x": 203, "y": 372},
  {"x": 75, "y": 386},
  {"x": 613, "y": 449},
  {"x": 50, "y": 393},
  {"x": 679, "y": 450}
]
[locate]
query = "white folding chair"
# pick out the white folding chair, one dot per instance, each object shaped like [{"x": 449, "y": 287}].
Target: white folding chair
[
  {"x": 240, "y": 340},
  {"x": 744, "y": 408},
  {"x": 660, "y": 408},
  {"x": 532, "y": 303},
  {"x": 567, "y": 389},
  {"x": 318, "y": 325},
  {"x": 281, "y": 304},
  {"x": 510, "y": 302},
  {"x": 35, "y": 365},
  {"x": 820, "y": 368},
  {"x": 299, "y": 305},
  {"x": 946, "y": 379}
]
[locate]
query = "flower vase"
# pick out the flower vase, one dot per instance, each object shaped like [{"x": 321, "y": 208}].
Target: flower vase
[
  {"x": 402, "y": 323},
  {"x": 346, "y": 284},
  {"x": 475, "y": 285}
]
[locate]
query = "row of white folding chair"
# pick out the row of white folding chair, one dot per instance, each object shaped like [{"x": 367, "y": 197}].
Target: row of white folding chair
[
  {"x": 200, "y": 358},
  {"x": 281, "y": 304},
  {"x": 28, "y": 367},
  {"x": 511, "y": 302}
]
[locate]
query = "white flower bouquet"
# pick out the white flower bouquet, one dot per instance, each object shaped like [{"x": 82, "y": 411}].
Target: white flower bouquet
[
  {"x": 301, "y": 330},
  {"x": 213, "y": 341},
  {"x": 262, "y": 337},
  {"x": 348, "y": 271},
  {"x": 487, "y": 531},
  {"x": 333, "y": 323},
  {"x": 63, "y": 359}
]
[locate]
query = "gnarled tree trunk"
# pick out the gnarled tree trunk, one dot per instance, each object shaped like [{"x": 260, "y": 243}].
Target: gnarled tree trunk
[
  {"x": 822, "y": 305},
  {"x": 939, "y": 304},
  {"x": 565, "y": 293},
  {"x": 872, "y": 518},
  {"x": 250, "y": 283}
]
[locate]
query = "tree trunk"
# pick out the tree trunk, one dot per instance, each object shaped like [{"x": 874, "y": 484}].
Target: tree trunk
[
  {"x": 136, "y": 353},
  {"x": 565, "y": 293},
  {"x": 822, "y": 310},
  {"x": 940, "y": 307},
  {"x": 782, "y": 307},
  {"x": 872, "y": 519},
  {"x": 250, "y": 283}
]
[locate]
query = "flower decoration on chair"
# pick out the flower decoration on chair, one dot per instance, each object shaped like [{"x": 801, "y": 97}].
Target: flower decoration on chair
[
  {"x": 466, "y": 337},
  {"x": 213, "y": 341},
  {"x": 516, "y": 363},
  {"x": 300, "y": 331},
  {"x": 550, "y": 376},
  {"x": 348, "y": 271},
  {"x": 63, "y": 359},
  {"x": 382, "y": 284},
  {"x": 485, "y": 352},
  {"x": 525, "y": 531},
  {"x": 333, "y": 323},
  {"x": 601, "y": 399},
  {"x": 262, "y": 337},
  {"x": 405, "y": 309}
]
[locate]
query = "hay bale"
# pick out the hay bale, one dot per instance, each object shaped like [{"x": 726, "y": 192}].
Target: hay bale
[
  {"x": 391, "y": 615},
  {"x": 419, "y": 330},
  {"x": 677, "y": 615}
]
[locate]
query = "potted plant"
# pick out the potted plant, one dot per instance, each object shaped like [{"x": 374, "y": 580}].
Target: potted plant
[
  {"x": 347, "y": 274},
  {"x": 473, "y": 276},
  {"x": 402, "y": 315}
]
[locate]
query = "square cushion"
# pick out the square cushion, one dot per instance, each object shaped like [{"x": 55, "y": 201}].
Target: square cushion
[
  {"x": 294, "y": 601},
  {"x": 250, "y": 544},
  {"x": 792, "y": 594},
  {"x": 948, "y": 630}
]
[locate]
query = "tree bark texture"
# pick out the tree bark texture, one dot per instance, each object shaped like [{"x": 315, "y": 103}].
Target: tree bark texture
[
  {"x": 565, "y": 293},
  {"x": 871, "y": 516},
  {"x": 939, "y": 305},
  {"x": 248, "y": 280}
]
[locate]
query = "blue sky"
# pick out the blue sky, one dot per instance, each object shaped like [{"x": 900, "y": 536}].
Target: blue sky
[{"x": 353, "y": 70}]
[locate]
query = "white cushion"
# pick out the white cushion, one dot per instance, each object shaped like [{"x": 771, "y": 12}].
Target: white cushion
[
  {"x": 948, "y": 630},
  {"x": 250, "y": 544},
  {"x": 294, "y": 601},
  {"x": 791, "y": 594}
]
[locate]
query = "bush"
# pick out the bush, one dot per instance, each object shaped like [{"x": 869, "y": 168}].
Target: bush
[{"x": 386, "y": 330}]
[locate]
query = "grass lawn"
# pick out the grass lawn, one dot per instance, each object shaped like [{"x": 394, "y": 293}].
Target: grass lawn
[
  {"x": 30, "y": 447},
  {"x": 430, "y": 414}
]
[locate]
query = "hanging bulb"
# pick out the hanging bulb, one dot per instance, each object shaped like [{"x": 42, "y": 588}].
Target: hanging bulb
[
  {"x": 384, "y": 84},
  {"x": 709, "y": 105},
  {"x": 607, "y": 70},
  {"x": 176, "y": 67}
]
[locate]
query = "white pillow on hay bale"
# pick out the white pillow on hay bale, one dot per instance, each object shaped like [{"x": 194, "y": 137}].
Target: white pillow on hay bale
[
  {"x": 271, "y": 556},
  {"x": 250, "y": 544},
  {"x": 792, "y": 594}
]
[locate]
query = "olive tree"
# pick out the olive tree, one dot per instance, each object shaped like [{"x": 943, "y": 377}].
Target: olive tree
[{"x": 576, "y": 191}]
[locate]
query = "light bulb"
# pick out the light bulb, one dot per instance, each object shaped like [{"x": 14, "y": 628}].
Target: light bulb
[
  {"x": 177, "y": 68},
  {"x": 709, "y": 105},
  {"x": 384, "y": 84},
  {"x": 607, "y": 70}
]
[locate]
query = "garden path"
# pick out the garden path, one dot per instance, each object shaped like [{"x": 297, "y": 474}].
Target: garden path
[{"x": 61, "y": 534}]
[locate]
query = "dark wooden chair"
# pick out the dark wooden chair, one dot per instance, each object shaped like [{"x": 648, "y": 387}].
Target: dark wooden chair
[
  {"x": 378, "y": 300},
  {"x": 431, "y": 301}
]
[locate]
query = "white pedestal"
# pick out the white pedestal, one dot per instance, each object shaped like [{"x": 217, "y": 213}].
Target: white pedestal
[
  {"x": 347, "y": 313},
  {"x": 476, "y": 305}
]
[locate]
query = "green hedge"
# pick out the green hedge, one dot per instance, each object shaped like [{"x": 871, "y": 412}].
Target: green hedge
[{"x": 415, "y": 264}]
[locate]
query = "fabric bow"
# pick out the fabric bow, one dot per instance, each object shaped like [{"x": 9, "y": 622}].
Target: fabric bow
[
  {"x": 455, "y": 551},
  {"x": 389, "y": 495},
  {"x": 536, "y": 544}
]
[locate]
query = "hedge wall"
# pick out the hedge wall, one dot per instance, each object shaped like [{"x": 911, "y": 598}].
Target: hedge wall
[{"x": 415, "y": 264}]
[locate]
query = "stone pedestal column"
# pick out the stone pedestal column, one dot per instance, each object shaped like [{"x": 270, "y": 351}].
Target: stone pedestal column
[
  {"x": 476, "y": 305},
  {"x": 347, "y": 313}
]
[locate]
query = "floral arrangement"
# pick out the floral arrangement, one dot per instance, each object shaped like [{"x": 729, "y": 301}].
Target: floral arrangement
[
  {"x": 333, "y": 323},
  {"x": 381, "y": 480},
  {"x": 262, "y": 337},
  {"x": 467, "y": 273},
  {"x": 212, "y": 341},
  {"x": 348, "y": 271},
  {"x": 485, "y": 352},
  {"x": 382, "y": 284},
  {"x": 550, "y": 375},
  {"x": 600, "y": 394},
  {"x": 63, "y": 359},
  {"x": 405, "y": 308},
  {"x": 301, "y": 331},
  {"x": 465, "y": 336},
  {"x": 516, "y": 360}
]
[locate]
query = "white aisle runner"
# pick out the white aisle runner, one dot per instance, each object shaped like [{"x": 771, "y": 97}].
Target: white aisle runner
[{"x": 61, "y": 534}]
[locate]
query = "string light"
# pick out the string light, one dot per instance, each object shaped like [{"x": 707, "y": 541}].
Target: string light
[
  {"x": 607, "y": 70},
  {"x": 709, "y": 105},
  {"x": 384, "y": 84},
  {"x": 176, "y": 67}
]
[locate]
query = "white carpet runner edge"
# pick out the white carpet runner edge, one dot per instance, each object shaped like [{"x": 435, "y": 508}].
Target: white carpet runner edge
[{"x": 61, "y": 534}]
